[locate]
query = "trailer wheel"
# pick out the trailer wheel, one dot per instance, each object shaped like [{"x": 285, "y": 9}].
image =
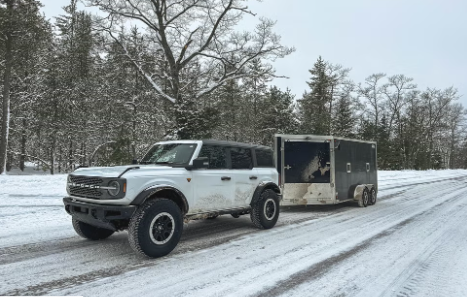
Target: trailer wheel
[
  {"x": 235, "y": 215},
  {"x": 365, "y": 198},
  {"x": 212, "y": 217},
  {"x": 373, "y": 196}
]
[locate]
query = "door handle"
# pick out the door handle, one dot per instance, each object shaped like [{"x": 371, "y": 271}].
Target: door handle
[
  {"x": 226, "y": 178},
  {"x": 253, "y": 177}
]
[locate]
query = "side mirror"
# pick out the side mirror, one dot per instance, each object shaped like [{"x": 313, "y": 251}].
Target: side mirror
[
  {"x": 200, "y": 163},
  {"x": 134, "y": 161}
]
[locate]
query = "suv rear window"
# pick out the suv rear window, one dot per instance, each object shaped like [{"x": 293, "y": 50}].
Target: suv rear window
[
  {"x": 264, "y": 158},
  {"x": 241, "y": 158}
]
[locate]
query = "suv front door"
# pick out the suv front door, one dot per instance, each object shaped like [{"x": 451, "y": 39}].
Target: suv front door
[{"x": 213, "y": 187}]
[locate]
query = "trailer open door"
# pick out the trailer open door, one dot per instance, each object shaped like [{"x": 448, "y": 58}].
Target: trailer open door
[{"x": 306, "y": 171}]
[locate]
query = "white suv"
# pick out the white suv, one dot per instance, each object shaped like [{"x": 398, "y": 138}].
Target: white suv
[{"x": 175, "y": 181}]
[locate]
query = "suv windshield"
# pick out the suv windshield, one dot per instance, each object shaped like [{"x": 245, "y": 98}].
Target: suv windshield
[{"x": 170, "y": 153}]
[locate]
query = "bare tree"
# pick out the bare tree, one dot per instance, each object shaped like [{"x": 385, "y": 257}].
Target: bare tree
[
  {"x": 437, "y": 112},
  {"x": 396, "y": 91},
  {"x": 194, "y": 32},
  {"x": 373, "y": 94},
  {"x": 339, "y": 86},
  {"x": 456, "y": 121}
]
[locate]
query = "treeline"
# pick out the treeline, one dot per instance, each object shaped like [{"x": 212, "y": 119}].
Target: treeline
[{"x": 92, "y": 91}]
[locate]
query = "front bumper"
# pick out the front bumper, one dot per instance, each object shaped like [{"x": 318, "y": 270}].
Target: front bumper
[{"x": 102, "y": 216}]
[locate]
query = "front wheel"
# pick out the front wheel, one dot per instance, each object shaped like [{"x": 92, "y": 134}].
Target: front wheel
[
  {"x": 155, "y": 228},
  {"x": 265, "y": 213},
  {"x": 89, "y": 231}
]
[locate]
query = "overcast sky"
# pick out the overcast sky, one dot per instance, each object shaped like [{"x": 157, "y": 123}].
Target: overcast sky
[{"x": 423, "y": 39}]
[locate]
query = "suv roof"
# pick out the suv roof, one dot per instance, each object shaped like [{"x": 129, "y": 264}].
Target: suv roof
[{"x": 235, "y": 144}]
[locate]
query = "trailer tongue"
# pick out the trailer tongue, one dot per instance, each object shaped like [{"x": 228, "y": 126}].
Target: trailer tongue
[{"x": 319, "y": 170}]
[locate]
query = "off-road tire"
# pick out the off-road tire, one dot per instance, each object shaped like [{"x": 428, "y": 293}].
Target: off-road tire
[
  {"x": 262, "y": 215},
  {"x": 155, "y": 228},
  {"x": 373, "y": 196},
  {"x": 363, "y": 202},
  {"x": 89, "y": 231}
]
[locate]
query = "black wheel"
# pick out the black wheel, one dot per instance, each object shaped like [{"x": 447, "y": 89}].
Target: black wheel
[
  {"x": 235, "y": 215},
  {"x": 212, "y": 217},
  {"x": 372, "y": 196},
  {"x": 365, "y": 198},
  {"x": 155, "y": 228},
  {"x": 265, "y": 212},
  {"x": 89, "y": 231}
]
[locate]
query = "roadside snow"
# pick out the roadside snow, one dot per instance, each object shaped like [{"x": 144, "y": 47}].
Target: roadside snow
[{"x": 31, "y": 209}]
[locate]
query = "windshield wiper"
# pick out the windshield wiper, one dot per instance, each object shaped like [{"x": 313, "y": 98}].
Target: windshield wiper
[{"x": 164, "y": 163}]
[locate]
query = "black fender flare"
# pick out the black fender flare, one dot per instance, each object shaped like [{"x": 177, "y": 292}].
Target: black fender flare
[
  {"x": 149, "y": 192},
  {"x": 265, "y": 186}
]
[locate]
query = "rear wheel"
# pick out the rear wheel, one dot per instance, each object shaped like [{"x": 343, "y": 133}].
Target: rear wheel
[
  {"x": 373, "y": 196},
  {"x": 155, "y": 228},
  {"x": 265, "y": 213},
  {"x": 363, "y": 202},
  {"x": 89, "y": 231}
]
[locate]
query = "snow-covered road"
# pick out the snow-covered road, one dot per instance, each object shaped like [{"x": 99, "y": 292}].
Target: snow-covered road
[{"x": 413, "y": 242}]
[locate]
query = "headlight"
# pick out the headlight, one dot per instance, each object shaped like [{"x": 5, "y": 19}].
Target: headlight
[
  {"x": 116, "y": 188},
  {"x": 68, "y": 181}
]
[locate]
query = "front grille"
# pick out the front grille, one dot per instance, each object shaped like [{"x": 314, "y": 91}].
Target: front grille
[
  {"x": 85, "y": 192},
  {"x": 95, "y": 181}
]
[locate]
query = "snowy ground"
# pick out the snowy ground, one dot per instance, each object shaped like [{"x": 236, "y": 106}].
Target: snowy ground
[{"x": 413, "y": 242}]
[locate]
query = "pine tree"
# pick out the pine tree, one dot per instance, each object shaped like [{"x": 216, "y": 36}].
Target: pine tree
[
  {"x": 256, "y": 89},
  {"x": 277, "y": 115},
  {"x": 313, "y": 108},
  {"x": 21, "y": 28},
  {"x": 343, "y": 120}
]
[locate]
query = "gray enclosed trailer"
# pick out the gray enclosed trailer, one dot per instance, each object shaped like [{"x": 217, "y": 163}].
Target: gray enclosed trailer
[{"x": 317, "y": 170}]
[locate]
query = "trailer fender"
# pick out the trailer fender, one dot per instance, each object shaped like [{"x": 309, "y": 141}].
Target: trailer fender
[{"x": 358, "y": 190}]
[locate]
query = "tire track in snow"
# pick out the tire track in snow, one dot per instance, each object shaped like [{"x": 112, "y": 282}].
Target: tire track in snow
[
  {"x": 129, "y": 263},
  {"x": 431, "y": 272},
  {"x": 323, "y": 267},
  {"x": 197, "y": 235},
  {"x": 415, "y": 247},
  {"x": 212, "y": 272}
]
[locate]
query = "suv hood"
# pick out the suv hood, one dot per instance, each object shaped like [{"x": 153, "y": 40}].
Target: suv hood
[{"x": 114, "y": 171}]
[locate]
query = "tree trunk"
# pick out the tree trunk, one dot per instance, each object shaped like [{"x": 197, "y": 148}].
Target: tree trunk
[
  {"x": 52, "y": 156},
  {"x": 23, "y": 146},
  {"x": 60, "y": 160},
  {"x": 70, "y": 156},
  {"x": 6, "y": 91}
]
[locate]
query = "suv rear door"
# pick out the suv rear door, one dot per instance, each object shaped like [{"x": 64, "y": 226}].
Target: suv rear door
[
  {"x": 244, "y": 174},
  {"x": 265, "y": 165}
]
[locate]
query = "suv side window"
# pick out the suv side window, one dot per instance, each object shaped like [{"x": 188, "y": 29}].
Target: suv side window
[
  {"x": 216, "y": 155},
  {"x": 241, "y": 158},
  {"x": 264, "y": 158}
]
